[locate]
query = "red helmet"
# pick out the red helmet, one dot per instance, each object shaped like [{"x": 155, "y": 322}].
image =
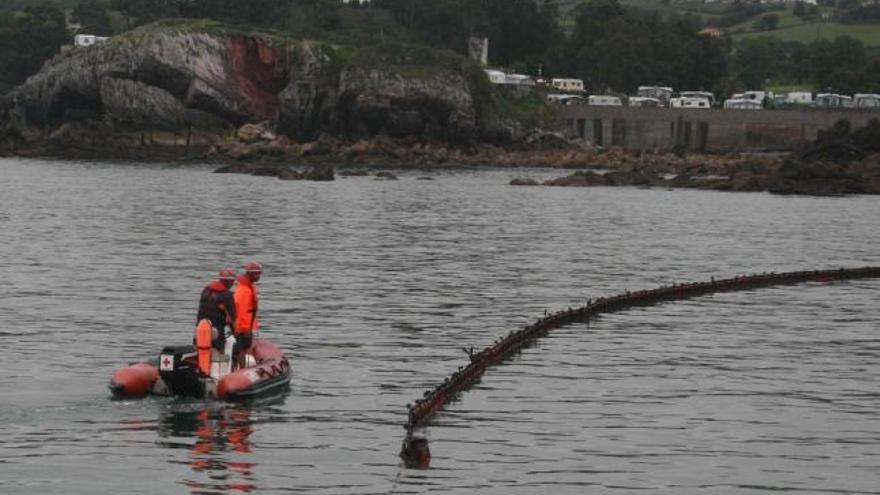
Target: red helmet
[
  {"x": 253, "y": 267},
  {"x": 227, "y": 276}
]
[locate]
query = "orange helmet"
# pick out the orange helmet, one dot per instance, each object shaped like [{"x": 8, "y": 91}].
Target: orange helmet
[
  {"x": 253, "y": 267},
  {"x": 227, "y": 276}
]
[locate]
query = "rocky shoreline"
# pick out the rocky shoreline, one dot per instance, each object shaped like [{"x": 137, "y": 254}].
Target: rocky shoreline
[{"x": 840, "y": 162}]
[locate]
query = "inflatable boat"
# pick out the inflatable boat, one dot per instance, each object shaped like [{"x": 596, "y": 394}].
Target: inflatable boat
[{"x": 203, "y": 372}]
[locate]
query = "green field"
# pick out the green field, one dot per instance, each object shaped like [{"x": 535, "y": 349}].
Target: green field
[
  {"x": 869, "y": 34},
  {"x": 787, "y": 19}
]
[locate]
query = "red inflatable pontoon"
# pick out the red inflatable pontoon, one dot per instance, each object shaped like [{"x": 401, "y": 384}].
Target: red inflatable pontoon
[{"x": 177, "y": 372}]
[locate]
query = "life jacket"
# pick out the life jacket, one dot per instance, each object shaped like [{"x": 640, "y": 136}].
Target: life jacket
[
  {"x": 215, "y": 303},
  {"x": 246, "y": 302}
]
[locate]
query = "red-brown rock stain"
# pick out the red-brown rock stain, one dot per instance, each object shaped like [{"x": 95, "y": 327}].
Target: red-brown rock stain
[{"x": 259, "y": 73}]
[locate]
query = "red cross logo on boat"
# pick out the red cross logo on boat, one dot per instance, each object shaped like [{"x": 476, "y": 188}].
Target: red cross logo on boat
[{"x": 166, "y": 362}]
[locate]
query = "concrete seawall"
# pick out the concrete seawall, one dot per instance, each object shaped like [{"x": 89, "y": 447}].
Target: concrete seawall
[{"x": 710, "y": 130}]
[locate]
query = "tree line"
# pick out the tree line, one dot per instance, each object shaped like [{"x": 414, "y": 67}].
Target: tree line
[{"x": 612, "y": 47}]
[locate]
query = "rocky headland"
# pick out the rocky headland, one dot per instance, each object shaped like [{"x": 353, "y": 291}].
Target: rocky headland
[{"x": 201, "y": 90}]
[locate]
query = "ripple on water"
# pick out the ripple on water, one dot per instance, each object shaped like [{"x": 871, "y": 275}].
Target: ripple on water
[{"x": 375, "y": 287}]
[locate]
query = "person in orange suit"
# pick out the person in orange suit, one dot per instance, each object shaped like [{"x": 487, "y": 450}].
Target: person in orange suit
[
  {"x": 217, "y": 304},
  {"x": 246, "y": 305}
]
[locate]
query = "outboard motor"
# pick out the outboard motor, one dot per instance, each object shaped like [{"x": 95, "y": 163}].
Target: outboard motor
[{"x": 178, "y": 368}]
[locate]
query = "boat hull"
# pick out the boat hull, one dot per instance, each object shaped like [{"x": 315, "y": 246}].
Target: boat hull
[{"x": 269, "y": 374}]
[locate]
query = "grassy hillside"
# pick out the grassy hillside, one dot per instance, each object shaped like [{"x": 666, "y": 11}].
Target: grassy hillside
[
  {"x": 808, "y": 32},
  {"x": 790, "y": 27},
  {"x": 666, "y": 9}
]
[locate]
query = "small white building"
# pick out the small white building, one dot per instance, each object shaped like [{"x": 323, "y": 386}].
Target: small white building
[
  {"x": 495, "y": 76},
  {"x": 88, "y": 40},
  {"x": 689, "y": 102},
  {"x": 566, "y": 84},
  {"x": 867, "y": 100},
  {"x": 604, "y": 100},
  {"x": 742, "y": 104}
]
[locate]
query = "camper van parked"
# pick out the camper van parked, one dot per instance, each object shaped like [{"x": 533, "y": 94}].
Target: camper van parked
[
  {"x": 645, "y": 102},
  {"x": 572, "y": 85},
  {"x": 832, "y": 100},
  {"x": 603, "y": 100},
  {"x": 799, "y": 98},
  {"x": 662, "y": 93},
  {"x": 699, "y": 94},
  {"x": 865, "y": 100},
  {"x": 742, "y": 104},
  {"x": 689, "y": 102}
]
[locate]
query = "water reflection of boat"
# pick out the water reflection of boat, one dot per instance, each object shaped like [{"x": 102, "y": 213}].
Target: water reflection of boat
[{"x": 221, "y": 450}]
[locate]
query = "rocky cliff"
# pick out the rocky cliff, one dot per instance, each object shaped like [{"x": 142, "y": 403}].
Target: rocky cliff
[{"x": 174, "y": 78}]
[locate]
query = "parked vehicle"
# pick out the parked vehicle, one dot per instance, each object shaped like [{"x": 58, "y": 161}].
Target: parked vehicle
[
  {"x": 642, "y": 101},
  {"x": 799, "y": 98},
  {"x": 689, "y": 102},
  {"x": 563, "y": 84},
  {"x": 662, "y": 93},
  {"x": 833, "y": 100},
  {"x": 742, "y": 104},
  {"x": 604, "y": 100},
  {"x": 756, "y": 95},
  {"x": 867, "y": 100},
  {"x": 699, "y": 94},
  {"x": 566, "y": 99}
]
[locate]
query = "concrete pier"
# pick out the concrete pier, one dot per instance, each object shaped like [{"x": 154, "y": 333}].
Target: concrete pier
[{"x": 706, "y": 130}]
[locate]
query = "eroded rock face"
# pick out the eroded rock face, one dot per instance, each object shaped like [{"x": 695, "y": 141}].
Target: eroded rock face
[
  {"x": 356, "y": 103},
  {"x": 165, "y": 79}
]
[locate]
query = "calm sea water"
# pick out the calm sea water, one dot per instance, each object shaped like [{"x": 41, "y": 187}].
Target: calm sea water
[{"x": 373, "y": 287}]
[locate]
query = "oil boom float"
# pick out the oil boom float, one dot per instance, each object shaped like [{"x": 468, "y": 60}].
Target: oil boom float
[{"x": 415, "y": 451}]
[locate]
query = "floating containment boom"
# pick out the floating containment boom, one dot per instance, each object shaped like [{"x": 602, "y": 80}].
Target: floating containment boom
[{"x": 415, "y": 451}]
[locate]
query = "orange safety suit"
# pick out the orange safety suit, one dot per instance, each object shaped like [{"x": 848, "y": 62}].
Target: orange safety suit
[{"x": 246, "y": 302}]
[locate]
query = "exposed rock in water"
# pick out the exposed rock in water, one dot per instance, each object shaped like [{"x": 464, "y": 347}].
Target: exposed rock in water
[
  {"x": 320, "y": 173},
  {"x": 523, "y": 181},
  {"x": 359, "y": 172},
  {"x": 291, "y": 174},
  {"x": 235, "y": 168},
  {"x": 385, "y": 176},
  {"x": 580, "y": 179},
  {"x": 838, "y": 162},
  {"x": 283, "y": 172}
]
